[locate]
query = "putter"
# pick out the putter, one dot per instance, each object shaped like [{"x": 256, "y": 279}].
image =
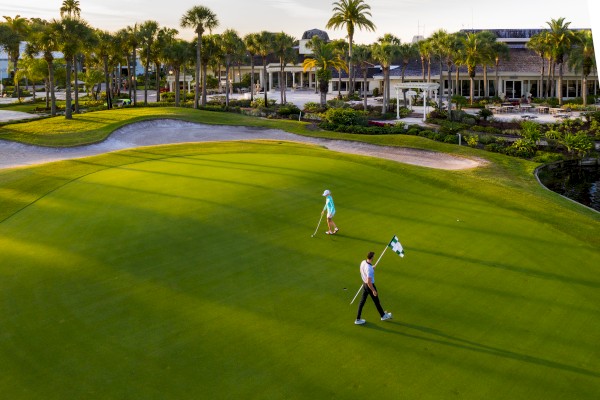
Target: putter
[{"x": 319, "y": 224}]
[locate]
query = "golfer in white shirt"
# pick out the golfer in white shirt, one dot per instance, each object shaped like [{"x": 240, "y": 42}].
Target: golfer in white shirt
[{"x": 367, "y": 272}]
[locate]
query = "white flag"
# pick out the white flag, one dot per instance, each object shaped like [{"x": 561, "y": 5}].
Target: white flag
[{"x": 396, "y": 246}]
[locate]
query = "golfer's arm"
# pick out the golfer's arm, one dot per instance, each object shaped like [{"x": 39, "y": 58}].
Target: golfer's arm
[{"x": 370, "y": 284}]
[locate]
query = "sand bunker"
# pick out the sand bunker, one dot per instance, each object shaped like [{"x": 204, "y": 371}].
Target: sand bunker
[{"x": 159, "y": 132}]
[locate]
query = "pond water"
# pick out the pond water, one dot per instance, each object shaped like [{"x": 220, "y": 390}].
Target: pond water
[{"x": 577, "y": 180}]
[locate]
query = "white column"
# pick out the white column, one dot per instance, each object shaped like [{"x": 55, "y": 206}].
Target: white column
[{"x": 270, "y": 81}]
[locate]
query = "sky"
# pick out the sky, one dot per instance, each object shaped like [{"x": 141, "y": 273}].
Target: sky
[{"x": 403, "y": 18}]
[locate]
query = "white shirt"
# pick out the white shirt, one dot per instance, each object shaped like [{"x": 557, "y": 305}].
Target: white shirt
[{"x": 366, "y": 271}]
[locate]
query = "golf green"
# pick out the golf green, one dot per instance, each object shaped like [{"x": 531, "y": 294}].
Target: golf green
[{"x": 189, "y": 271}]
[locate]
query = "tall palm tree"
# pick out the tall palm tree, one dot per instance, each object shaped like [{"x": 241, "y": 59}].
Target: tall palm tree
[
  {"x": 561, "y": 37},
  {"x": 385, "y": 50},
  {"x": 352, "y": 14},
  {"x": 472, "y": 56},
  {"x": 538, "y": 44},
  {"x": 71, "y": 9},
  {"x": 148, "y": 35},
  {"x": 103, "y": 52},
  {"x": 582, "y": 58},
  {"x": 283, "y": 50},
  {"x": 231, "y": 44},
  {"x": 132, "y": 39},
  {"x": 341, "y": 48},
  {"x": 363, "y": 56},
  {"x": 500, "y": 52},
  {"x": 487, "y": 40},
  {"x": 164, "y": 37},
  {"x": 68, "y": 33},
  {"x": 324, "y": 58},
  {"x": 176, "y": 54},
  {"x": 425, "y": 52},
  {"x": 86, "y": 40},
  {"x": 406, "y": 52},
  {"x": 201, "y": 19},
  {"x": 211, "y": 51},
  {"x": 14, "y": 32},
  {"x": 251, "y": 43},
  {"x": 439, "y": 44},
  {"x": 264, "y": 43},
  {"x": 42, "y": 39}
]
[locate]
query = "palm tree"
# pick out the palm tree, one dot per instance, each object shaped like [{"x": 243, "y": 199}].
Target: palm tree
[
  {"x": 42, "y": 39},
  {"x": 324, "y": 58},
  {"x": 264, "y": 43},
  {"x": 582, "y": 58},
  {"x": 33, "y": 69},
  {"x": 407, "y": 52},
  {"x": 283, "y": 50},
  {"x": 71, "y": 9},
  {"x": 68, "y": 33},
  {"x": 103, "y": 52},
  {"x": 351, "y": 14},
  {"x": 251, "y": 43},
  {"x": 341, "y": 48},
  {"x": 487, "y": 40},
  {"x": 200, "y": 18},
  {"x": 538, "y": 44},
  {"x": 363, "y": 55},
  {"x": 164, "y": 37},
  {"x": 425, "y": 52},
  {"x": 86, "y": 40},
  {"x": 560, "y": 37},
  {"x": 132, "y": 39},
  {"x": 211, "y": 51},
  {"x": 439, "y": 43},
  {"x": 14, "y": 32},
  {"x": 176, "y": 54},
  {"x": 500, "y": 52},
  {"x": 148, "y": 35},
  {"x": 385, "y": 51},
  {"x": 472, "y": 56},
  {"x": 231, "y": 44}
]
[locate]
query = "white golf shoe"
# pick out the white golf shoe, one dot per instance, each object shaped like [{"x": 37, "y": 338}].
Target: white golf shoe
[
  {"x": 359, "y": 322},
  {"x": 386, "y": 316}
]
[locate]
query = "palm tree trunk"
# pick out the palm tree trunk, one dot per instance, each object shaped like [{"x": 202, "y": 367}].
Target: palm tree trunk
[
  {"x": 146, "y": 83},
  {"x": 365, "y": 83},
  {"x": 471, "y": 89},
  {"x": 204, "y": 72},
  {"x": 177, "y": 73},
  {"x": 584, "y": 89},
  {"x": 458, "y": 86},
  {"x": 133, "y": 78},
  {"x": 497, "y": 80},
  {"x": 340, "y": 83},
  {"x": 49, "y": 60},
  {"x": 68, "y": 111},
  {"x": 560, "y": 81},
  {"x": 423, "y": 67},
  {"x": 265, "y": 81},
  {"x": 251, "y": 78},
  {"x": 76, "y": 85},
  {"x": 350, "y": 67},
  {"x": 486, "y": 88},
  {"x": 157, "y": 78},
  {"x": 541, "y": 89},
  {"x": 47, "y": 87},
  {"x": 227, "y": 82},
  {"x": 197, "y": 76},
  {"x": 441, "y": 84},
  {"x": 107, "y": 83}
]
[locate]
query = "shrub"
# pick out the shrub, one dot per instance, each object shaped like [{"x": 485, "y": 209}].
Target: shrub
[
  {"x": 487, "y": 139},
  {"x": 494, "y": 147},
  {"x": 345, "y": 116},
  {"x": 546, "y": 157},
  {"x": 288, "y": 109},
  {"x": 453, "y": 139},
  {"x": 523, "y": 148},
  {"x": 375, "y": 92},
  {"x": 336, "y": 103},
  {"x": 484, "y": 114},
  {"x": 472, "y": 140},
  {"x": 260, "y": 102},
  {"x": 313, "y": 107}
]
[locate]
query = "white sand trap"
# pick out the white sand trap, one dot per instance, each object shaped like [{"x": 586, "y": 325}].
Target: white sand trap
[{"x": 159, "y": 132}]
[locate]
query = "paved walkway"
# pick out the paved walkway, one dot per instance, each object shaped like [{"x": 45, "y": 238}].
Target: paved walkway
[{"x": 159, "y": 132}]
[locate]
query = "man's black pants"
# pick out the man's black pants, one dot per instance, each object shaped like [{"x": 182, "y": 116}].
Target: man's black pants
[{"x": 367, "y": 292}]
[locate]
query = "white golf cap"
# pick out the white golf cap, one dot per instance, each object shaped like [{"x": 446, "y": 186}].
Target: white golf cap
[{"x": 326, "y": 192}]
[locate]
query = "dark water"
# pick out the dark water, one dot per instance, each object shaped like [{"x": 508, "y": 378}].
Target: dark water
[{"x": 573, "y": 180}]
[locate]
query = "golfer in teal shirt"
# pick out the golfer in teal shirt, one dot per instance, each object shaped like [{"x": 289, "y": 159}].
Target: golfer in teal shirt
[{"x": 330, "y": 207}]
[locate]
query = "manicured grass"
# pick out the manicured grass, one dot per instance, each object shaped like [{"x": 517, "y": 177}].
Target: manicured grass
[{"x": 189, "y": 272}]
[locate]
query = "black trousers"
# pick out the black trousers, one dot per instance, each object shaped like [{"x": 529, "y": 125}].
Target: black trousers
[{"x": 367, "y": 292}]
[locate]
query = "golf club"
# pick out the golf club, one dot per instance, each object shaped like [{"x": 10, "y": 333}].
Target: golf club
[{"x": 319, "y": 224}]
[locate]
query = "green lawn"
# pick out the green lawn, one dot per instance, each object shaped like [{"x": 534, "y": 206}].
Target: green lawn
[{"x": 189, "y": 271}]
